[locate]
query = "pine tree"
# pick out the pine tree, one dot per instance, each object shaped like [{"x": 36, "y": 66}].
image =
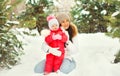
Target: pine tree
[
  {"x": 114, "y": 25},
  {"x": 10, "y": 46},
  {"x": 114, "y": 21},
  {"x": 34, "y": 16},
  {"x": 89, "y": 15}
]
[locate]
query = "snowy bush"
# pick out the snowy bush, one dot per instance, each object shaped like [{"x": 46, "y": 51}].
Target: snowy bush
[
  {"x": 91, "y": 14},
  {"x": 10, "y": 46},
  {"x": 10, "y": 49}
]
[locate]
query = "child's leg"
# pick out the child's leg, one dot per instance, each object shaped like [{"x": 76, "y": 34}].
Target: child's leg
[
  {"x": 58, "y": 62},
  {"x": 48, "y": 64}
]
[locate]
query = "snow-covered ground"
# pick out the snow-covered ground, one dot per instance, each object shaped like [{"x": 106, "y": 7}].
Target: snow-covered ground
[{"x": 94, "y": 58}]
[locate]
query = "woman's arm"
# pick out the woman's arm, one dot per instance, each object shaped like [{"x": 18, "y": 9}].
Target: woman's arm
[
  {"x": 45, "y": 47},
  {"x": 72, "y": 47},
  {"x": 51, "y": 50},
  {"x": 76, "y": 42}
]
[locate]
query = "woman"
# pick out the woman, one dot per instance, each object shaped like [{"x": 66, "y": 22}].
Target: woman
[{"x": 70, "y": 29}]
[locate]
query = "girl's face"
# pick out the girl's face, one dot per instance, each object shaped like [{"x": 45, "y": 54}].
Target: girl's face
[
  {"x": 65, "y": 24},
  {"x": 54, "y": 27}
]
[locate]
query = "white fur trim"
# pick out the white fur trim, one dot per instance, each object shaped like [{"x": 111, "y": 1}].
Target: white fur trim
[{"x": 45, "y": 32}]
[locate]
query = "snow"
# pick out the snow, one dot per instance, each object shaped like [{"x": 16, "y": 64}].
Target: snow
[
  {"x": 13, "y": 22},
  {"x": 8, "y": 6},
  {"x": 56, "y": 3},
  {"x": 104, "y": 12},
  {"x": 95, "y": 57},
  {"x": 84, "y": 12},
  {"x": 115, "y": 13}
]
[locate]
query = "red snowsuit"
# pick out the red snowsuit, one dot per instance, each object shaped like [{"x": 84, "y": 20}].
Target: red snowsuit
[{"x": 53, "y": 62}]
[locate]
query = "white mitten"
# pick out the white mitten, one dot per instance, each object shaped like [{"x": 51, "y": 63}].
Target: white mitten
[
  {"x": 57, "y": 36},
  {"x": 55, "y": 51}
]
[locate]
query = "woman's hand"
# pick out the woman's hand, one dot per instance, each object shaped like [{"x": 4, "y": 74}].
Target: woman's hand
[
  {"x": 71, "y": 47},
  {"x": 68, "y": 43},
  {"x": 54, "y": 51}
]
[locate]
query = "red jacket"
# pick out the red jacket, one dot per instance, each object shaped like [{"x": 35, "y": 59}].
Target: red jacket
[{"x": 56, "y": 43}]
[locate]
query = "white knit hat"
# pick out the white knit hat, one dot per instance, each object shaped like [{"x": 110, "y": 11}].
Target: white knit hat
[
  {"x": 51, "y": 21},
  {"x": 62, "y": 16}
]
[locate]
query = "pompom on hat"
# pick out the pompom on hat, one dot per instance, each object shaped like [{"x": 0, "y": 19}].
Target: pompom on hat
[{"x": 51, "y": 21}]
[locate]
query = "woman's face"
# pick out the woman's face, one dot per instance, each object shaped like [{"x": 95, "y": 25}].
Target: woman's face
[{"x": 65, "y": 24}]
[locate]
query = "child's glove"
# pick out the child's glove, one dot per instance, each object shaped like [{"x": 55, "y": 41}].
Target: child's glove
[
  {"x": 57, "y": 36},
  {"x": 55, "y": 51}
]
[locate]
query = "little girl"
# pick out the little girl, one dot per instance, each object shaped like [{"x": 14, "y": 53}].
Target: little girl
[{"x": 56, "y": 39}]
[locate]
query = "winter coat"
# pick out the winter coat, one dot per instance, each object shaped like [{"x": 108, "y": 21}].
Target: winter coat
[{"x": 56, "y": 43}]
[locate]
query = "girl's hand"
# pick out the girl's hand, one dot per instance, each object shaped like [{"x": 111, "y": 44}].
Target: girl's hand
[{"x": 57, "y": 36}]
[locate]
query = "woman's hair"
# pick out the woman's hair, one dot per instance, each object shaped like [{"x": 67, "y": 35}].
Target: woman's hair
[{"x": 72, "y": 31}]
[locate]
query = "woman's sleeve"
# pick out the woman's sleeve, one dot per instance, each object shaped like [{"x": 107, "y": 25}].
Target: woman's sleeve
[
  {"x": 45, "y": 47},
  {"x": 76, "y": 42},
  {"x": 74, "y": 46},
  {"x": 45, "y": 33}
]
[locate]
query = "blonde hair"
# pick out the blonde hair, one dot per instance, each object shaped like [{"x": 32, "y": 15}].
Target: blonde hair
[{"x": 72, "y": 31}]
